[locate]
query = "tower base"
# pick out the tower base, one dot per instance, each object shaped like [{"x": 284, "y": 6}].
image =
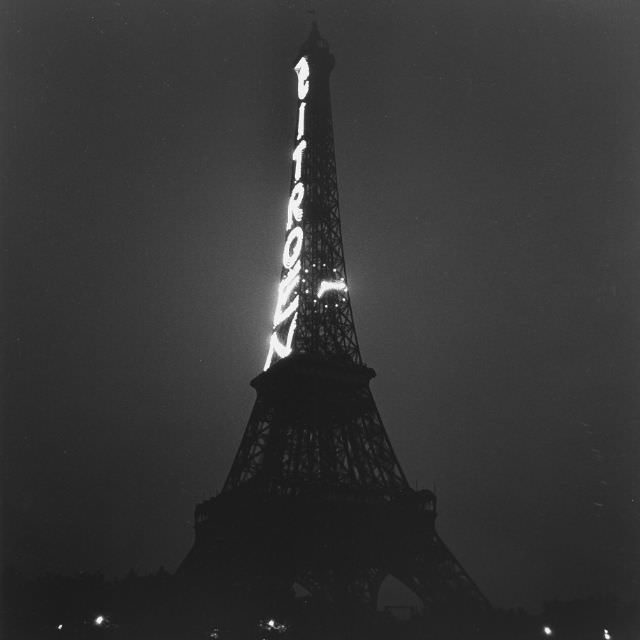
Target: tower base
[{"x": 335, "y": 546}]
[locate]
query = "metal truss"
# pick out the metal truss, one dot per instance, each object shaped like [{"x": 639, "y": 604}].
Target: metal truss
[
  {"x": 315, "y": 423},
  {"x": 317, "y": 431}
]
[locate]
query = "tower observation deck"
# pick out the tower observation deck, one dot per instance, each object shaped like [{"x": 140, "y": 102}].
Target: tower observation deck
[{"x": 316, "y": 496}]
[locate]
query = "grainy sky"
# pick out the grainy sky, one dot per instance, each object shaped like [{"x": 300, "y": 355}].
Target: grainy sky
[{"x": 488, "y": 157}]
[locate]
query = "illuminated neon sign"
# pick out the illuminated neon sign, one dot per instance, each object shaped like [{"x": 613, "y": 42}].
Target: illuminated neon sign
[
  {"x": 288, "y": 297},
  {"x": 330, "y": 285}
]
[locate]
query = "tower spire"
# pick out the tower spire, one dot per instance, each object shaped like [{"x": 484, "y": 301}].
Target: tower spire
[
  {"x": 313, "y": 312},
  {"x": 314, "y": 40}
]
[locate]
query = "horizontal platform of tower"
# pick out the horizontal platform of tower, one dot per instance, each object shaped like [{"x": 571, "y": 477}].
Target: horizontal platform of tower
[{"x": 337, "y": 544}]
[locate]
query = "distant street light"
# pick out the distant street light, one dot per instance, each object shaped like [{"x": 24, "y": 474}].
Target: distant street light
[
  {"x": 547, "y": 631},
  {"x": 272, "y": 624},
  {"x": 98, "y": 621}
]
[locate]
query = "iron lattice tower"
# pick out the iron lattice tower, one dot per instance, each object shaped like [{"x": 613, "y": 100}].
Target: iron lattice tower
[{"x": 316, "y": 495}]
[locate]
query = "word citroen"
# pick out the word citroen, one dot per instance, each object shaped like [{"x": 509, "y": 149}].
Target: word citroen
[{"x": 286, "y": 306}]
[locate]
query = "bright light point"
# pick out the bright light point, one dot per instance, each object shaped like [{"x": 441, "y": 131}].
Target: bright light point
[
  {"x": 547, "y": 631},
  {"x": 272, "y": 625},
  {"x": 607, "y": 635},
  {"x": 99, "y": 620},
  {"x": 59, "y": 627},
  {"x": 328, "y": 285}
]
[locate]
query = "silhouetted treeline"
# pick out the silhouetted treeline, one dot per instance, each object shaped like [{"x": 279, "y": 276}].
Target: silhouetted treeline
[{"x": 161, "y": 607}]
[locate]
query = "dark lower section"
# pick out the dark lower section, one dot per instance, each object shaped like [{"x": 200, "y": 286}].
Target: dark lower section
[{"x": 336, "y": 546}]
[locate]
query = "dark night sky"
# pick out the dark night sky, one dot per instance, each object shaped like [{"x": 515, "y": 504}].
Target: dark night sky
[{"x": 488, "y": 157}]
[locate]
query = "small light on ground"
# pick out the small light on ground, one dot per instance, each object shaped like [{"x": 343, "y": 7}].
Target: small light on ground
[
  {"x": 607, "y": 635},
  {"x": 99, "y": 621},
  {"x": 271, "y": 624},
  {"x": 547, "y": 631},
  {"x": 59, "y": 627}
]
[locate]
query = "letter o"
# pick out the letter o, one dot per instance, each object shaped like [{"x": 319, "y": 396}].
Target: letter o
[{"x": 292, "y": 247}]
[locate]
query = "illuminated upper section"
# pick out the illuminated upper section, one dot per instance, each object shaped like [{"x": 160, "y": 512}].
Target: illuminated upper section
[{"x": 313, "y": 312}]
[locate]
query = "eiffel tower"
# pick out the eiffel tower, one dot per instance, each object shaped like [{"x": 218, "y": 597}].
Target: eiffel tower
[{"x": 316, "y": 498}]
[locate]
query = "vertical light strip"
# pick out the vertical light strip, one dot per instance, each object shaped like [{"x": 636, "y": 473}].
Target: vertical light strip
[{"x": 288, "y": 298}]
